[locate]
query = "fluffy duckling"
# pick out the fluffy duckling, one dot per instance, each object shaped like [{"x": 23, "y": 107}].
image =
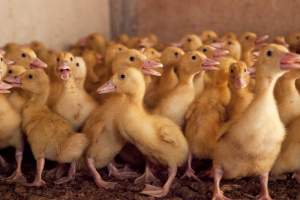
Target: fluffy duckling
[
  {"x": 260, "y": 126},
  {"x": 151, "y": 53},
  {"x": 229, "y": 36},
  {"x": 80, "y": 72},
  {"x": 281, "y": 40},
  {"x": 149, "y": 41},
  {"x": 183, "y": 94},
  {"x": 10, "y": 134},
  {"x": 50, "y": 136},
  {"x": 241, "y": 97},
  {"x": 293, "y": 40},
  {"x": 190, "y": 42},
  {"x": 209, "y": 36},
  {"x": 206, "y": 115},
  {"x": 26, "y": 57},
  {"x": 287, "y": 96},
  {"x": 94, "y": 41},
  {"x": 158, "y": 138},
  {"x": 74, "y": 103}
]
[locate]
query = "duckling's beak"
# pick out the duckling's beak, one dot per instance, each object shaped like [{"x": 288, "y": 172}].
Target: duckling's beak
[
  {"x": 9, "y": 62},
  {"x": 218, "y": 45},
  {"x": 15, "y": 81},
  {"x": 177, "y": 44},
  {"x": 149, "y": 66},
  {"x": 82, "y": 41},
  {"x": 210, "y": 64},
  {"x": 64, "y": 70},
  {"x": 290, "y": 61},
  {"x": 4, "y": 87},
  {"x": 217, "y": 53},
  {"x": 108, "y": 87},
  {"x": 2, "y": 52},
  {"x": 38, "y": 63},
  {"x": 239, "y": 83},
  {"x": 262, "y": 39},
  {"x": 99, "y": 58}
]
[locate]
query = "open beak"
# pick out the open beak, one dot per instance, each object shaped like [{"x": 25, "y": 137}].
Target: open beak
[
  {"x": 262, "y": 39},
  {"x": 290, "y": 61},
  {"x": 217, "y": 53},
  {"x": 64, "y": 70},
  {"x": 239, "y": 83},
  {"x": 15, "y": 81},
  {"x": 108, "y": 87},
  {"x": 149, "y": 66},
  {"x": 4, "y": 87},
  {"x": 37, "y": 63},
  {"x": 210, "y": 64}
]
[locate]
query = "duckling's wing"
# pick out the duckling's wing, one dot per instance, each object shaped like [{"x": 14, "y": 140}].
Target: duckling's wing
[{"x": 166, "y": 134}]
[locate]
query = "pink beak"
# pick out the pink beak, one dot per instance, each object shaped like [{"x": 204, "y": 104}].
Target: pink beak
[
  {"x": 99, "y": 57},
  {"x": 290, "y": 61},
  {"x": 210, "y": 64},
  {"x": 240, "y": 83},
  {"x": 218, "y": 45},
  {"x": 14, "y": 81},
  {"x": 64, "y": 70},
  {"x": 4, "y": 87},
  {"x": 82, "y": 41},
  {"x": 148, "y": 67},
  {"x": 262, "y": 39},
  {"x": 37, "y": 63},
  {"x": 220, "y": 53},
  {"x": 108, "y": 87},
  {"x": 177, "y": 44},
  {"x": 2, "y": 52}
]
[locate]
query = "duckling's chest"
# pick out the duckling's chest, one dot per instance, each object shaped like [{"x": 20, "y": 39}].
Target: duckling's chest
[{"x": 9, "y": 117}]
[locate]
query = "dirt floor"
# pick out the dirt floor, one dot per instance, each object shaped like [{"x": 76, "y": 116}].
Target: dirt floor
[{"x": 283, "y": 188}]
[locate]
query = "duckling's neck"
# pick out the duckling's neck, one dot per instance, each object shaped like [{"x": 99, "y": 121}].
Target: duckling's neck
[
  {"x": 187, "y": 79},
  {"x": 265, "y": 84},
  {"x": 38, "y": 100},
  {"x": 238, "y": 93},
  {"x": 70, "y": 84}
]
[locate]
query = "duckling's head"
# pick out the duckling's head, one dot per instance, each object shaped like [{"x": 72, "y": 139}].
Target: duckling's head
[
  {"x": 212, "y": 52},
  {"x": 194, "y": 62},
  {"x": 4, "y": 87},
  {"x": 294, "y": 39},
  {"x": 171, "y": 55},
  {"x": 80, "y": 70},
  {"x": 151, "y": 53},
  {"x": 13, "y": 74},
  {"x": 190, "y": 42},
  {"x": 274, "y": 60},
  {"x": 149, "y": 41},
  {"x": 129, "y": 81},
  {"x": 234, "y": 48},
  {"x": 229, "y": 36},
  {"x": 112, "y": 51},
  {"x": 239, "y": 76},
  {"x": 251, "y": 40},
  {"x": 134, "y": 58},
  {"x": 37, "y": 46},
  {"x": 94, "y": 41},
  {"x": 65, "y": 63},
  {"x": 26, "y": 56},
  {"x": 35, "y": 81},
  {"x": 209, "y": 36},
  {"x": 281, "y": 41}
]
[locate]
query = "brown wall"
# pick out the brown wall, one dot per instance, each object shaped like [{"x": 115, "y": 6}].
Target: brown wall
[{"x": 172, "y": 18}]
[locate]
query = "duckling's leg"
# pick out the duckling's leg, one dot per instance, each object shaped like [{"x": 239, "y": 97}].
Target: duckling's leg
[
  {"x": 124, "y": 174},
  {"x": 57, "y": 172},
  {"x": 147, "y": 177},
  {"x": 97, "y": 177},
  {"x": 190, "y": 173},
  {"x": 71, "y": 174},
  {"x": 264, "y": 193},
  {"x": 38, "y": 181},
  {"x": 158, "y": 191},
  {"x": 3, "y": 163},
  {"x": 18, "y": 176},
  {"x": 296, "y": 176},
  {"x": 218, "y": 194}
]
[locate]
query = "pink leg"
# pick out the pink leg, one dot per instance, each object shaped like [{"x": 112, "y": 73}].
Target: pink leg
[
  {"x": 71, "y": 174},
  {"x": 218, "y": 194},
  {"x": 18, "y": 176},
  {"x": 56, "y": 172},
  {"x": 147, "y": 177},
  {"x": 97, "y": 177},
  {"x": 296, "y": 176},
  {"x": 158, "y": 191},
  {"x": 124, "y": 174},
  {"x": 38, "y": 181},
  {"x": 264, "y": 193},
  {"x": 190, "y": 173}
]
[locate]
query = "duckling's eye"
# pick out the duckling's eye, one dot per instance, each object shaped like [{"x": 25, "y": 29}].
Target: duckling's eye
[
  {"x": 204, "y": 50},
  {"x": 23, "y": 55},
  {"x": 10, "y": 71},
  {"x": 131, "y": 58},
  {"x": 193, "y": 57},
  {"x": 231, "y": 71},
  {"x": 269, "y": 53},
  {"x": 1, "y": 59},
  {"x": 77, "y": 64},
  {"x": 247, "y": 37},
  {"x": 176, "y": 54},
  {"x": 229, "y": 43},
  {"x": 71, "y": 58},
  {"x": 152, "y": 52},
  {"x": 57, "y": 59},
  {"x": 122, "y": 76},
  {"x": 214, "y": 41},
  {"x": 30, "y": 76},
  {"x": 189, "y": 39},
  {"x": 298, "y": 37},
  {"x": 120, "y": 49},
  {"x": 245, "y": 70}
]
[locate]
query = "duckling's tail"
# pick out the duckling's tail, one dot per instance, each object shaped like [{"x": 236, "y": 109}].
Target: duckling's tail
[{"x": 73, "y": 148}]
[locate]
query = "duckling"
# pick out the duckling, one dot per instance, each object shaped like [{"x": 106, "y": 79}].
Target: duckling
[
  {"x": 149, "y": 41},
  {"x": 161, "y": 141},
  {"x": 206, "y": 115},
  {"x": 241, "y": 97},
  {"x": 260, "y": 126},
  {"x": 74, "y": 103},
  {"x": 190, "y": 42},
  {"x": 281, "y": 40},
  {"x": 50, "y": 136},
  {"x": 191, "y": 64},
  {"x": 80, "y": 72},
  {"x": 229, "y": 36},
  {"x": 293, "y": 40},
  {"x": 287, "y": 96},
  {"x": 10, "y": 135},
  {"x": 10, "y": 47},
  {"x": 151, "y": 54},
  {"x": 94, "y": 41},
  {"x": 26, "y": 57},
  {"x": 209, "y": 36}
]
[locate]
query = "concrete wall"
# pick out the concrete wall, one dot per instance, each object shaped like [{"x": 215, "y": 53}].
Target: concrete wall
[
  {"x": 56, "y": 22},
  {"x": 170, "y": 19}
]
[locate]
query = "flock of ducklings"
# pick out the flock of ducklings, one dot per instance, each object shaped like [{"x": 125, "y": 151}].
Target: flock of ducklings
[{"x": 232, "y": 99}]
